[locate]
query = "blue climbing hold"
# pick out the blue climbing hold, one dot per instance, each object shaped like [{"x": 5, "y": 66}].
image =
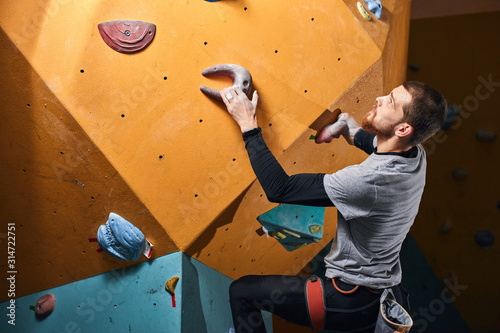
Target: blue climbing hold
[
  {"x": 375, "y": 6},
  {"x": 121, "y": 239},
  {"x": 414, "y": 68},
  {"x": 484, "y": 238},
  {"x": 294, "y": 226},
  {"x": 451, "y": 114}
]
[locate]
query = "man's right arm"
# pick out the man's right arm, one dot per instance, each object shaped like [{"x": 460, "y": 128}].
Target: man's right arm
[
  {"x": 352, "y": 126},
  {"x": 355, "y": 135}
]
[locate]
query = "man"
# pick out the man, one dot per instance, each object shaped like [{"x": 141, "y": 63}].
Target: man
[{"x": 377, "y": 202}]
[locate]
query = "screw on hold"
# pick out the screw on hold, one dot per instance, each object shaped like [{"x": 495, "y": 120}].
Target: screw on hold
[
  {"x": 277, "y": 235},
  {"x": 300, "y": 245},
  {"x": 315, "y": 228},
  {"x": 459, "y": 174},
  {"x": 240, "y": 76},
  {"x": 170, "y": 287},
  {"x": 375, "y": 6},
  {"x": 363, "y": 12},
  {"x": 484, "y": 238},
  {"x": 45, "y": 305},
  {"x": 446, "y": 226},
  {"x": 483, "y": 135},
  {"x": 127, "y": 33},
  {"x": 451, "y": 114},
  {"x": 171, "y": 283}
]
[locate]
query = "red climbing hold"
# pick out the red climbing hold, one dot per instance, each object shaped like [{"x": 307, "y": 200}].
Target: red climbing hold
[{"x": 126, "y": 36}]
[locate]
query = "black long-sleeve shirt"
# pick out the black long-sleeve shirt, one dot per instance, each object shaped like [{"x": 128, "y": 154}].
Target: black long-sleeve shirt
[{"x": 304, "y": 188}]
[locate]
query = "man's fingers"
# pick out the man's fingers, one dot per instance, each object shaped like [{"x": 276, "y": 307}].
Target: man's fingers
[
  {"x": 237, "y": 91},
  {"x": 223, "y": 94},
  {"x": 255, "y": 99}
]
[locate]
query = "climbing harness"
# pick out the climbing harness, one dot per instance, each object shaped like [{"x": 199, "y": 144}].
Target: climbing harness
[
  {"x": 392, "y": 316},
  {"x": 315, "y": 300},
  {"x": 316, "y": 303}
]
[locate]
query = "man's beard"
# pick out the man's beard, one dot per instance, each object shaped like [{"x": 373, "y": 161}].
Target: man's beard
[{"x": 386, "y": 131}]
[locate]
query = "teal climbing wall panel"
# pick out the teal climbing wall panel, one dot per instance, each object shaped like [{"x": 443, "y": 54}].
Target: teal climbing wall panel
[
  {"x": 134, "y": 299},
  {"x": 294, "y": 226}
]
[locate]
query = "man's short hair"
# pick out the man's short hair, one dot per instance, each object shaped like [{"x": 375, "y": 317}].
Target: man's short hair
[{"x": 426, "y": 112}]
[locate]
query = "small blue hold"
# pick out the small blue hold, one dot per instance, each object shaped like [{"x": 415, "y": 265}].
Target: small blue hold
[
  {"x": 484, "y": 238},
  {"x": 414, "y": 68},
  {"x": 451, "y": 114},
  {"x": 375, "y": 6},
  {"x": 212, "y": 0}
]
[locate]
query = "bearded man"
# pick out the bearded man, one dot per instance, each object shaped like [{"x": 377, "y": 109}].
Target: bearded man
[{"x": 377, "y": 202}]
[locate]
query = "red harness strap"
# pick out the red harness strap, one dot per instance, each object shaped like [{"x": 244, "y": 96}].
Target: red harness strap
[{"x": 315, "y": 303}]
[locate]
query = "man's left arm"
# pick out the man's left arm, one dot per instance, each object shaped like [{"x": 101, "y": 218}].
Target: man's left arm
[{"x": 305, "y": 189}]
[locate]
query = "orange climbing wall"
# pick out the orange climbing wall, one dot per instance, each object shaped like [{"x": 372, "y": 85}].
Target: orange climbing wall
[{"x": 133, "y": 134}]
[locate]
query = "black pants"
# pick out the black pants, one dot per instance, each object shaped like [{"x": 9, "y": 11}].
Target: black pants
[{"x": 284, "y": 296}]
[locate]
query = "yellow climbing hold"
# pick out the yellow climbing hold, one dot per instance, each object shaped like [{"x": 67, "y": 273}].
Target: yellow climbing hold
[
  {"x": 291, "y": 233},
  {"x": 277, "y": 235},
  {"x": 315, "y": 228},
  {"x": 364, "y": 12},
  {"x": 171, "y": 283}
]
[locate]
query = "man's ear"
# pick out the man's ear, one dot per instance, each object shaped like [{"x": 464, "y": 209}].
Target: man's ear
[{"x": 404, "y": 130}]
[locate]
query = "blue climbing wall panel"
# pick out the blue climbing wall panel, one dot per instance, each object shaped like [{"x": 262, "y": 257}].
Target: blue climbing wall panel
[
  {"x": 134, "y": 299},
  {"x": 294, "y": 226}
]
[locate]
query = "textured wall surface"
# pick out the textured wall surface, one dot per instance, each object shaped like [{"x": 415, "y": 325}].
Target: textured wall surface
[
  {"x": 87, "y": 130},
  {"x": 134, "y": 299}
]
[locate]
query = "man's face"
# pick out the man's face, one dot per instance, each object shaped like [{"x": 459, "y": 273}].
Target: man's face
[{"x": 387, "y": 113}]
